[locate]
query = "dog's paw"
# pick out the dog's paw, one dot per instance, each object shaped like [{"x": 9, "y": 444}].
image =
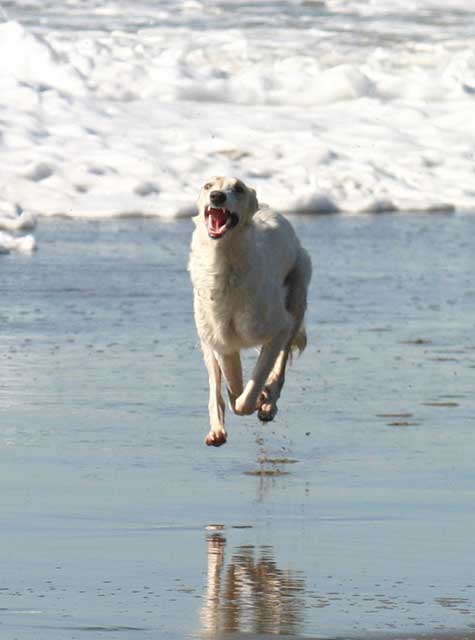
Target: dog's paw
[
  {"x": 216, "y": 438},
  {"x": 266, "y": 409},
  {"x": 242, "y": 406},
  {"x": 267, "y": 412}
]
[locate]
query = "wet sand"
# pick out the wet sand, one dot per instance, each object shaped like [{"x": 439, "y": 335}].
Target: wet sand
[{"x": 350, "y": 516}]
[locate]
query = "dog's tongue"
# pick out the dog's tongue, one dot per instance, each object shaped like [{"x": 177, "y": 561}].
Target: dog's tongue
[{"x": 217, "y": 218}]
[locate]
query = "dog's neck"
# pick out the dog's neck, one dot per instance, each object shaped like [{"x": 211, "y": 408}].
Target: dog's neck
[
  {"x": 232, "y": 247},
  {"x": 228, "y": 257}
]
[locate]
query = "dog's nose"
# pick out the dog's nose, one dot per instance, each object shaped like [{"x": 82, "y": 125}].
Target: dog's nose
[{"x": 217, "y": 198}]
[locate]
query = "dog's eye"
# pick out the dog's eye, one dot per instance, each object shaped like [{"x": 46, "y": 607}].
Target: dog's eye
[
  {"x": 238, "y": 189},
  {"x": 208, "y": 186}
]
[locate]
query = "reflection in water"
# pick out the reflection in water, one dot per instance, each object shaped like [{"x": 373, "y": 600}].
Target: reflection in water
[{"x": 249, "y": 593}]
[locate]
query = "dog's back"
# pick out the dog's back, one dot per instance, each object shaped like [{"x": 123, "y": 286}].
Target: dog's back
[{"x": 288, "y": 259}]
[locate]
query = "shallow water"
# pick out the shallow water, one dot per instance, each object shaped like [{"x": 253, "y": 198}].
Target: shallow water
[{"x": 352, "y": 514}]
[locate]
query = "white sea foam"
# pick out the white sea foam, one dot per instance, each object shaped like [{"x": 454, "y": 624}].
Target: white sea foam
[
  {"x": 322, "y": 106},
  {"x": 10, "y": 242},
  {"x": 13, "y": 224}
]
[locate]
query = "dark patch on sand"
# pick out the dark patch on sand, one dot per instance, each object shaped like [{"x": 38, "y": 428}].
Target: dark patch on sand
[
  {"x": 266, "y": 472},
  {"x": 266, "y": 460},
  {"x": 449, "y": 404},
  {"x": 402, "y": 423}
]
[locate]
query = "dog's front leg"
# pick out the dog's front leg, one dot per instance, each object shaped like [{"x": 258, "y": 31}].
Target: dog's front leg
[
  {"x": 231, "y": 367},
  {"x": 247, "y": 401},
  {"x": 217, "y": 434}
]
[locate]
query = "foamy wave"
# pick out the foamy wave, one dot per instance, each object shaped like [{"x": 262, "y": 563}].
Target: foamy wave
[
  {"x": 110, "y": 123},
  {"x": 22, "y": 244},
  {"x": 28, "y": 59}
]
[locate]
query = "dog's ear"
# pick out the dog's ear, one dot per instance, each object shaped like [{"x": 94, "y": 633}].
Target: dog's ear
[
  {"x": 253, "y": 204},
  {"x": 201, "y": 199}
]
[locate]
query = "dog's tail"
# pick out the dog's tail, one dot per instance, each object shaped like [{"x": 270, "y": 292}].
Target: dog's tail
[
  {"x": 299, "y": 341},
  {"x": 298, "y": 281}
]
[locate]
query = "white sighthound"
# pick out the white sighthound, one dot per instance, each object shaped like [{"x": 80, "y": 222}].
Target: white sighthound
[{"x": 250, "y": 277}]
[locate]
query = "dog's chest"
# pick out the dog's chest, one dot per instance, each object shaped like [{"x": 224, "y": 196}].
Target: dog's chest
[
  {"x": 220, "y": 293},
  {"x": 218, "y": 304}
]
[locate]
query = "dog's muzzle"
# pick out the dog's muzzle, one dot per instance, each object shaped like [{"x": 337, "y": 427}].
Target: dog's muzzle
[{"x": 219, "y": 220}]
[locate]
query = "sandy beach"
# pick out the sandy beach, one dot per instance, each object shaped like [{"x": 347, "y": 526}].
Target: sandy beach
[{"x": 350, "y": 516}]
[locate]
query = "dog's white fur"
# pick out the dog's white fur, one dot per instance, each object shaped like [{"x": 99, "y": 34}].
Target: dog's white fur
[{"x": 250, "y": 289}]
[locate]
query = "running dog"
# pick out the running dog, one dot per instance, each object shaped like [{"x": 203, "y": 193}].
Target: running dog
[{"x": 250, "y": 277}]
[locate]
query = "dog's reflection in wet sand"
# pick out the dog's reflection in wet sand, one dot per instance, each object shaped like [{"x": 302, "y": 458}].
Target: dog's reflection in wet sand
[{"x": 249, "y": 593}]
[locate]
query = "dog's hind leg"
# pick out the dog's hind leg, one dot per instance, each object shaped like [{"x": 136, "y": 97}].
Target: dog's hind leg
[
  {"x": 267, "y": 401},
  {"x": 217, "y": 434},
  {"x": 247, "y": 401},
  {"x": 296, "y": 302},
  {"x": 232, "y": 371}
]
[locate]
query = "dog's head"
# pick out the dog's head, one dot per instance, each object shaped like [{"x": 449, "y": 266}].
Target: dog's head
[{"x": 225, "y": 204}]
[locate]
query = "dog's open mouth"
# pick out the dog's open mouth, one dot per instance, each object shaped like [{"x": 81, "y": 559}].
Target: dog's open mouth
[{"x": 219, "y": 220}]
